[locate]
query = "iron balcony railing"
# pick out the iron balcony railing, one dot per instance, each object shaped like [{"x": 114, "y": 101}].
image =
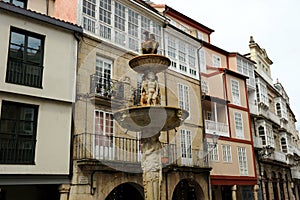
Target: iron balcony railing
[
  {"x": 24, "y": 73},
  {"x": 17, "y": 151},
  {"x": 92, "y": 147}
]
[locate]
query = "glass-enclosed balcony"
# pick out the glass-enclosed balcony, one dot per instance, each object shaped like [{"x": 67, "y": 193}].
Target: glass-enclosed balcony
[{"x": 215, "y": 115}]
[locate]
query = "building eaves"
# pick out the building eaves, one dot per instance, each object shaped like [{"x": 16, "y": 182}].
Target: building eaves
[
  {"x": 40, "y": 17},
  {"x": 176, "y": 14},
  {"x": 206, "y": 44},
  {"x": 233, "y": 73},
  {"x": 243, "y": 56}
]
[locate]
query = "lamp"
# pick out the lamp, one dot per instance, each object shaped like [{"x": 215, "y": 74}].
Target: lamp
[{"x": 215, "y": 139}]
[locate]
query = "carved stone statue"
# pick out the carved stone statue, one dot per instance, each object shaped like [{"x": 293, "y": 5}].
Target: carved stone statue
[
  {"x": 150, "y": 94},
  {"x": 149, "y": 46},
  {"x": 151, "y": 165}
]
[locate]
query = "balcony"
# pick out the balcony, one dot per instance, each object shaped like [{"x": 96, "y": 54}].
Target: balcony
[
  {"x": 17, "y": 151},
  {"x": 107, "y": 91},
  {"x": 24, "y": 73},
  {"x": 269, "y": 115},
  {"x": 111, "y": 152},
  {"x": 279, "y": 156},
  {"x": 218, "y": 128}
]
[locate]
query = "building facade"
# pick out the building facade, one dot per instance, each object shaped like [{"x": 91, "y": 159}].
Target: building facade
[
  {"x": 107, "y": 158},
  {"x": 276, "y": 138},
  {"x": 37, "y": 91}
]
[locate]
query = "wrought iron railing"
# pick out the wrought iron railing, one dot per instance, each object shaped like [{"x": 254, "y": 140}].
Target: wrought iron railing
[
  {"x": 17, "y": 151},
  {"x": 90, "y": 146},
  {"x": 24, "y": 73},
  {"x": 101, "y": 85}
]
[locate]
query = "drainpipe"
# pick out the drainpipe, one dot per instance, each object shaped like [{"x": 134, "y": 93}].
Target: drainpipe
[{"x": 204, "y": 143}]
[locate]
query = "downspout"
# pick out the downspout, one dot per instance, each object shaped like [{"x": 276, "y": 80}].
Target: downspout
[
  {"x": 78, "y": 38},
  {"x": 204, "y": 143},
  {"x": 47, "y": 7}
]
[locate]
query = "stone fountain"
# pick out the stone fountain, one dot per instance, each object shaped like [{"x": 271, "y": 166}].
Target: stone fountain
[{"x": 150, "y": 117}]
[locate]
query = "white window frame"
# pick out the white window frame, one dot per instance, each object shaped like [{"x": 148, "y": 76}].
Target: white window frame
[
  {"x": 183, "y": 97},
  {"x": 103, "y": 73},
  {"x": 216, "y": 60},
  {"x": 213, "y": 151},
  {"x": 238, "y": 122},
  {"x": 235, "y": 91},
  {"x": 106, "y": 27},
  {"x": 199, "y": 35},
  {"x": 227, "y": 155},
  {"x": 262, "y": 93},
  {"x": 103, "y": 141},
  {"x": 242, "y": 159},
  {"x": 186, "y": 147},
  {"x": 171, "y": 42}
]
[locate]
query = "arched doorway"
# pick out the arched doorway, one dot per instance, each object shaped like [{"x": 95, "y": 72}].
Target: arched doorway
[
  {"x": 188, "y": 189},
  {"x": 274, "y": 184},
  {"x": 126, "y": 191}
]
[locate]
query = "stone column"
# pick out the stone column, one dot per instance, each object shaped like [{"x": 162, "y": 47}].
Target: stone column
[
  {"x": 233, "y": 190},
  {"x": 152, "y": 167},
  {"x": 64, "y": 190},
  {"x": 256, "y": 188}
]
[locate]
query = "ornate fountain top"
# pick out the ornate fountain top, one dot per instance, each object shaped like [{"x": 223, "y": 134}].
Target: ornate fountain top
[{"x": 150, "y": 45}]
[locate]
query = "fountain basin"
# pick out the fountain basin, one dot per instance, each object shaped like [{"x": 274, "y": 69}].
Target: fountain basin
[
  {"x": 149, "y": 62},
  {"x": 150, "y": 120}
]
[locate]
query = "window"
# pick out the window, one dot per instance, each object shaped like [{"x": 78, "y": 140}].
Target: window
[
  {"x": 246, "y": 69},
  {"x": 262, "y": 135},
  {"x": 20, "y": 3},
  {"x": 202, "y": 61},
  {"x": 120, "y": 24},
  {"x": 238, "y": 120},
  {"x": 133, "y": 25},
  {"x": 103, "y": 136},
  {"x": 226, "y": 150},
  {"x": 242, "y": 157},
  {"x": 278, "y": 109},
  {"x": 18, "y": 126},
  {"x": 114, "y": 21},
  {"x": 216, "y": 61},
  {"x": 204, "y": 86},
  {"x": 192, "y": 60},
  {"x": 199, "y": 35},
  {"x": 262, "y": 93},
  {"x": 213, "y": 152},
  {"x": 25, "y": 59},
  {"x": 171, "y": 47},
  {"x": 102, "y": 77},
  {"x": 235, "y": 92},
  {"x": 182, "y": 52},
  {"x": 183, "y": 97},
  {"x": 186, "y": 146},
  {"x": 283, "y": 145}
]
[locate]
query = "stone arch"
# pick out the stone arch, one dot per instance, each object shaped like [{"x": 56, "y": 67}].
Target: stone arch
[
  {"x": 188, "y": 189},
  {"x": 126, "y": 191}
]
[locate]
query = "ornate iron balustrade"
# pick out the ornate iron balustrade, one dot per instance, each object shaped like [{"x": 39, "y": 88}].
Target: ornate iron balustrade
[
  {"x": 92, "y": 147},
  {"x": 17, "y": 151},
  {"x": 24, "y": 73}
]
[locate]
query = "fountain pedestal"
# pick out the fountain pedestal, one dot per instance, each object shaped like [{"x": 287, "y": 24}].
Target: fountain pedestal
[{"x": 150, "y": 118}]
